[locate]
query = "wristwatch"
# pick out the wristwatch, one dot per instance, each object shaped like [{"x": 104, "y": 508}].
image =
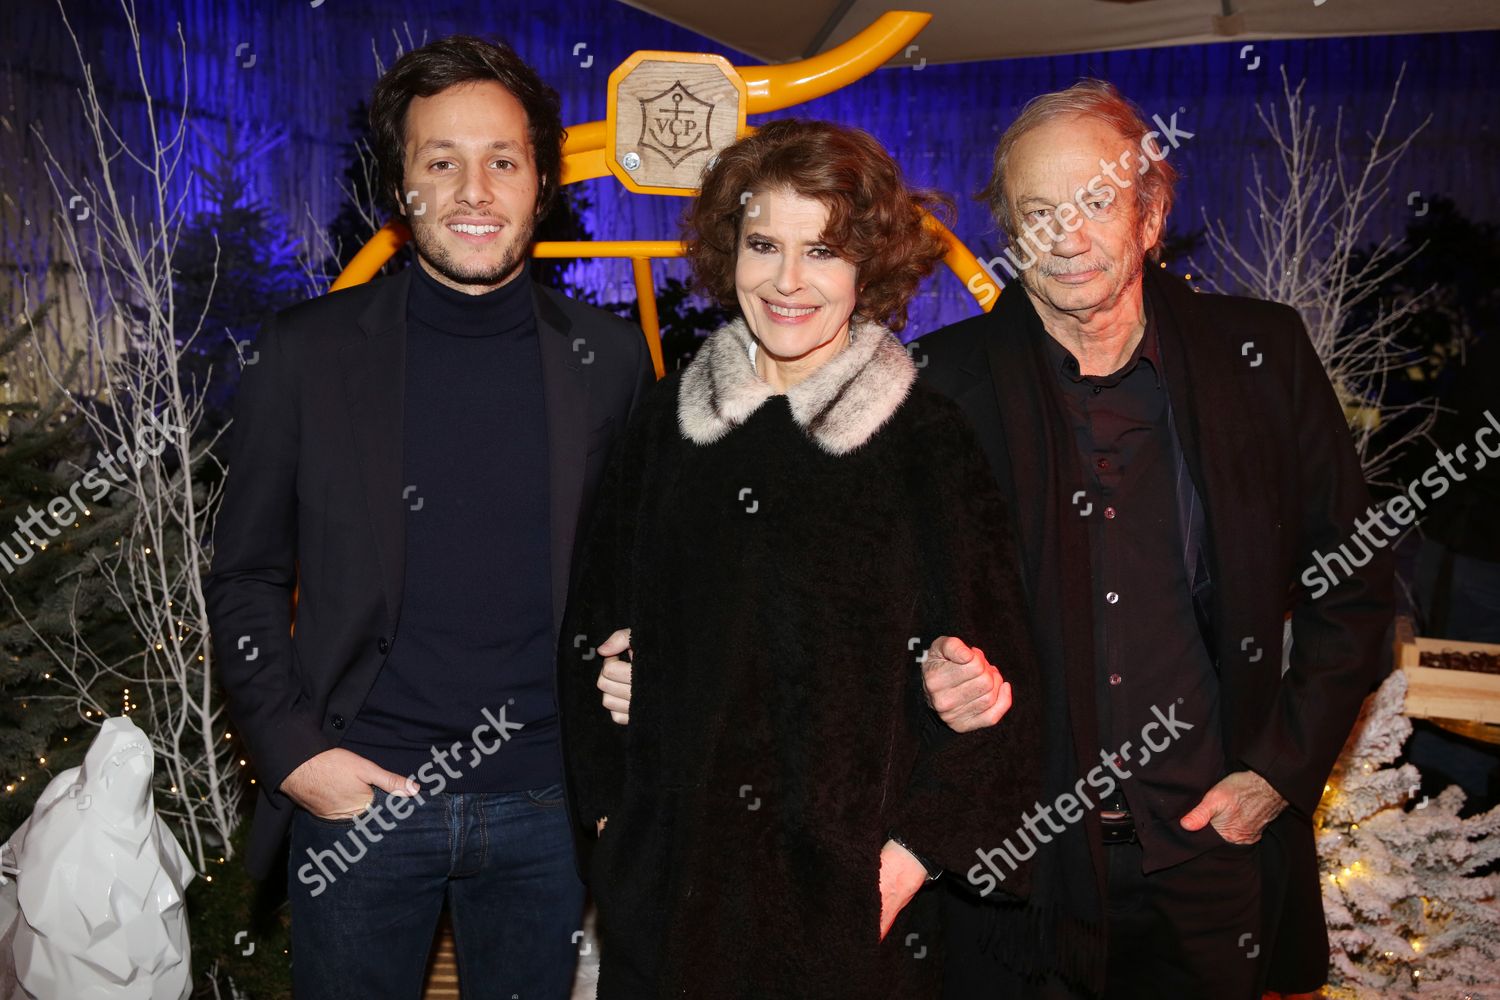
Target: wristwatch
[{"x": 933, "y": 871}]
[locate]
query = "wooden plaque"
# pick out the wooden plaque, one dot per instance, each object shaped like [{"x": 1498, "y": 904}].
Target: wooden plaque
[{"x": 669, "y": 114}]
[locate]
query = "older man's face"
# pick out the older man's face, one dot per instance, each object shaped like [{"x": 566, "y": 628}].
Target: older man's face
[{"x": 1078, "y": 218}]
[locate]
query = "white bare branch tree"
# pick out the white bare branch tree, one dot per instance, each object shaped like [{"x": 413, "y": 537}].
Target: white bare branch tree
[
  {"x": 361, "y": 192},
  {"x": 1306, "y": 243},
  {"x": 122, "y": 253}
]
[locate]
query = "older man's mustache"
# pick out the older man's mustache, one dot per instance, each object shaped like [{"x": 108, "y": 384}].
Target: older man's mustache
[{"x": 1074, "y": 266}]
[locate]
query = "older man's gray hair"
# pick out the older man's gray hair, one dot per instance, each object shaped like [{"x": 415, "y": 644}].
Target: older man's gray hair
[{"x": 1099, "y": 100}]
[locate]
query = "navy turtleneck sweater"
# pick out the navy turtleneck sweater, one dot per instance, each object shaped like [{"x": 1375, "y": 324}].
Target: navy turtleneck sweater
[{"x": 475, "y": 630}]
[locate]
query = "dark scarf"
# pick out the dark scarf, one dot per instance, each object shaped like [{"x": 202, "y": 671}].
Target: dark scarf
[{"x": 1061, "y": 927}]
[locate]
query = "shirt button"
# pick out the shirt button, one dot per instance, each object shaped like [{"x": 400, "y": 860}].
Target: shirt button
[
  {"x": 1098, "y": 389},
  {"x": 383, "y": 644},
  {"x": 338, "y": 721},
  {"x": 1103, "y": 463},
  {"x": 1112, "y": 597},
  {"x": 1114, "y": 679},
  {"x": 1109, "y": 512}
]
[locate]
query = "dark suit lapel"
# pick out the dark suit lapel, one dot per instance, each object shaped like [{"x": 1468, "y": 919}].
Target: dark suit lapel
[
  {"x": 566, "y": 401},
  {"x": 374, "y": 387},
  {"x": 1220, "y": 444}
]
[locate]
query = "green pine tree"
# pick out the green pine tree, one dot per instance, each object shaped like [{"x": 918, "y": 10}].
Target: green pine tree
[
  {"x": 50, "y": 588},
  {"x": 351, "y": 228},
  {"x": 233, "y": 265}
]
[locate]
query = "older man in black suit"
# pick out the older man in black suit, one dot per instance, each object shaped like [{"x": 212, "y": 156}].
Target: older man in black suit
[{"x": 1174, "y": 460}]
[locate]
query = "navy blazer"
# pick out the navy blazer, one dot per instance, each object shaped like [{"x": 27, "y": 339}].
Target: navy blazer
[{"x": 313, "y": 507}]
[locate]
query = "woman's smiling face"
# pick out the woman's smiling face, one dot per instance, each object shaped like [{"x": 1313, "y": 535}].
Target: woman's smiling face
[{"x": 796, "y": 294}]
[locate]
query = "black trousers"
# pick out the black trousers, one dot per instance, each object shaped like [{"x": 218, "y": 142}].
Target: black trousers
[
  {"x": 1192, "y": 930},
  {"x": 1189, "y": 932}
]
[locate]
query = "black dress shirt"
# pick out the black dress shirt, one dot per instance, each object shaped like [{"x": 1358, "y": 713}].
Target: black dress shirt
[{"x": 1157, "y": 686}]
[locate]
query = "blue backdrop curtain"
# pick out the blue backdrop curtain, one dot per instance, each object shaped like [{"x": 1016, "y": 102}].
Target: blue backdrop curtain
[{"x": 309, "y": 63}]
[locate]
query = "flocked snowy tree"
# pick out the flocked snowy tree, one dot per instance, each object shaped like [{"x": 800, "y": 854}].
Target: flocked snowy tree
[{"x": 1410, "y": 910}]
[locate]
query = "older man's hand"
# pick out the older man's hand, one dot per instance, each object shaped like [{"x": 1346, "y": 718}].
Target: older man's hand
[
  {"x": 962, "y": 687},
  {"x": 1239, "y": 807}
]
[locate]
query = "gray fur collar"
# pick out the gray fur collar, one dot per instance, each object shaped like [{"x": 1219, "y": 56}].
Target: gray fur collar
[{"x": 840, "y": 405}]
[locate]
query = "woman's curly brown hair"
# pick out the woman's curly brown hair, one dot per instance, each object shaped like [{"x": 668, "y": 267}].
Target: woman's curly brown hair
[{"x": 874, "y": 220}]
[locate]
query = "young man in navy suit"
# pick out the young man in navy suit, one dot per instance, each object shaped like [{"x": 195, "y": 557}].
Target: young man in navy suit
[{"x": 411, "y": 459}]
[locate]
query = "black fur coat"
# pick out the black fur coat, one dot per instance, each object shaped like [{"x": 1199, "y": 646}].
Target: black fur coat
[{"x": 783, "y": 562}]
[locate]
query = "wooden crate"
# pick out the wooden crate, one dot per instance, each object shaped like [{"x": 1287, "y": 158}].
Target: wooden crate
[{"x": 1438, "y": 693}]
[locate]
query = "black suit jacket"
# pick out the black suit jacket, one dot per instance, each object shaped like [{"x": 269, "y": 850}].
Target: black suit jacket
[
  {"x": 1270, "y": 453},
  {"x": 313, "y": 506}
]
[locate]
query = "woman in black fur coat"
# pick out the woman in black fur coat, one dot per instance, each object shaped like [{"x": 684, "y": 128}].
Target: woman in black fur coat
[{"x": 788, "y": 528}]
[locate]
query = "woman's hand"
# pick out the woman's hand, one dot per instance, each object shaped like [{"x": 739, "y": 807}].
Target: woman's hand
[
  {"x": 599, "y": 826},
  {"x": 901, "y": 875},
  {"x": 614, "y": 676}
]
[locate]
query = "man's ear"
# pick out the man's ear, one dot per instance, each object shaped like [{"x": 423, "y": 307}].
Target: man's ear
[{"x": 1151, "y": 227}]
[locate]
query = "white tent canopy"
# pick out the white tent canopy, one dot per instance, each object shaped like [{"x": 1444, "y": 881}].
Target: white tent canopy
[{"x": 778, "y": 31}]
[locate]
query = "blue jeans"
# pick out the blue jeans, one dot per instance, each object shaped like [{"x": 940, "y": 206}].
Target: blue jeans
[{"x": 366, "y": 894}]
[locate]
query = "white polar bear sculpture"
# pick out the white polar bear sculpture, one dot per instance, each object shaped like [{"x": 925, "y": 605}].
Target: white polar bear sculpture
[{"x": 99, "y": 881}]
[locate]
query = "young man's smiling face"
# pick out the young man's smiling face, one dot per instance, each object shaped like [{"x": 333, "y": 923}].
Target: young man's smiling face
[{"x": 471, "y": 185}]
